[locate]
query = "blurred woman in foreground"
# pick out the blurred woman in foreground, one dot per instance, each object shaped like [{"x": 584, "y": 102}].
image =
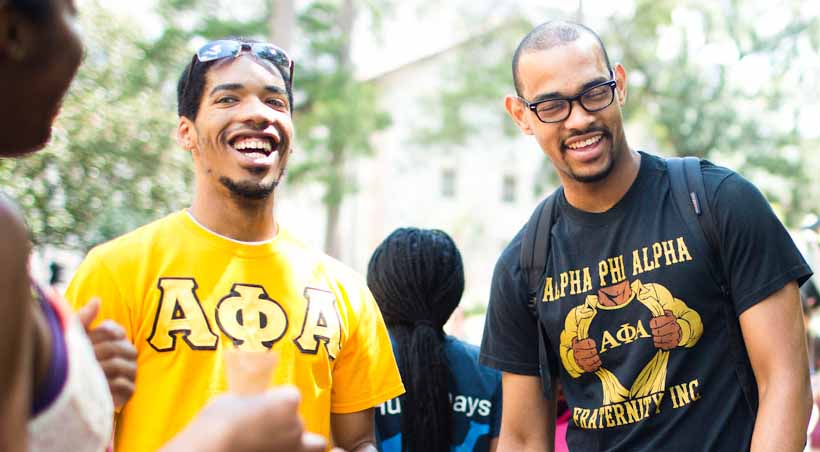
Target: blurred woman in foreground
[{"x": 54, "y": 395}]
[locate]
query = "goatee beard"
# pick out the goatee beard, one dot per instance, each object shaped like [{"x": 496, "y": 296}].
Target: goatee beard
[
  {"x": 595, "y": 177},
  {"x": 249, "y": 190}
]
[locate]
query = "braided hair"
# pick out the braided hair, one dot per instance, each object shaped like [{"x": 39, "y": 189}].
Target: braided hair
[{"x": 417, "y": 278}]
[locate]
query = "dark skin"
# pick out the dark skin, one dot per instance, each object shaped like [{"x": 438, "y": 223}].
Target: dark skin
[
  {"x": 246, "y": 98},
  {"x": 17, "y": 341},
  {"x": 596, "y": 166},
  {"x": 41, "y": 59},
  {"x": 27, "y": 59}
]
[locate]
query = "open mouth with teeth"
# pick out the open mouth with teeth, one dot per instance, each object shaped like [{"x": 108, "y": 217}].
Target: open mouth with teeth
[
  {"x": 254, "y": 147},
  {"x": 586, "y": 143}
]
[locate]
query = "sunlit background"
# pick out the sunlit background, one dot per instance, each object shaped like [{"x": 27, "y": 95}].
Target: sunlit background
[{"x": 400, "y": 122}]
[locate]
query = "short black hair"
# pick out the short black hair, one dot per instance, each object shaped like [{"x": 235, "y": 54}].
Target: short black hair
[
  {"x": 190, "y": 88},
  {"x": 549, "y": 35},
  {"x": 37, "y": 10}
]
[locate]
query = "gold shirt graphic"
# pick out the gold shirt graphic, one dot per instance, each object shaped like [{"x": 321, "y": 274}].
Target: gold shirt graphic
[{"x": 660, "y": 302}]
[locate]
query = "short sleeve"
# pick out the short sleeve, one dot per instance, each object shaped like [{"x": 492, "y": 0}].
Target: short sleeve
[
  {"x": 510, "y": 341},
  {"x": 758, "y": 254},
  {"x": 365, "y": 373},
  {"x": 94, "y": 280}
]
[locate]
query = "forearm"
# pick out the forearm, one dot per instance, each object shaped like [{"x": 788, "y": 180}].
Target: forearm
[
  {"x": 354, "y": 432},
  {"x": 781, "y": 369},
  {"x": 511, "y": 442},
  {"x": 528, "y": 420},
  {"x": 782, "y": 416}
]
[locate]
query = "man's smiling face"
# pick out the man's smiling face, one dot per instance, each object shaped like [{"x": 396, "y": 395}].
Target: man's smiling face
[
  {"x": 585, "y": 146},
  {"x": 242, "y": 134}
]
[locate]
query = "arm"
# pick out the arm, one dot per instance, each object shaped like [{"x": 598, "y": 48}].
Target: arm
[
  {"x": 16, "y": 331},
  {"x": 528, "y": 421},
  {"x": 493, "y": 444},
  {"x": 776, "y": 343},
  {"x": 354, "y": 432}
]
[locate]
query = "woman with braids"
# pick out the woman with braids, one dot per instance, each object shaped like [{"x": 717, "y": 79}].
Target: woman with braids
[{"x": 452, "y": 402}]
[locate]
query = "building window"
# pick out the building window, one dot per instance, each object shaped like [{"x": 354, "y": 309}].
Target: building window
[
  {"x": 508, "y": 188},
  {"x": 448, "y": 183}
]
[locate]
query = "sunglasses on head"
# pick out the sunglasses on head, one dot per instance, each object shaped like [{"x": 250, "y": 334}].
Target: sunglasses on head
[{"x": 229, "y": 48}]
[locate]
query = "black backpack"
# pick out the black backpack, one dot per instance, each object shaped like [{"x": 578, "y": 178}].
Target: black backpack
[{"x": 689, "y": 194}]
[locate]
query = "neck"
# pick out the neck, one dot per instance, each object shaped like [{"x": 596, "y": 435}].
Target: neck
[
  {"x": 235, "y": 218},
  {"x": 602, "y": 195}
]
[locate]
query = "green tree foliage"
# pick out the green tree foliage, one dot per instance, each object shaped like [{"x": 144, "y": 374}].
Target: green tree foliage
[
  {"x": 113, "y": 164},
  {"x": 338, "y": 114},
  {"x": 714, "y": 80},
  {"x": 689, "y": 66},
  {"x": 335, "y": 114}
]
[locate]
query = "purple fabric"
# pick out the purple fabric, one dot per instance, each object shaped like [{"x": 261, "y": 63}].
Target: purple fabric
[{"x": 57, "y": 373}]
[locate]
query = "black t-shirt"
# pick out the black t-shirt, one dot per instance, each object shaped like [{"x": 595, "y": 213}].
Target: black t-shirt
[{"x": 607, "y": 277}]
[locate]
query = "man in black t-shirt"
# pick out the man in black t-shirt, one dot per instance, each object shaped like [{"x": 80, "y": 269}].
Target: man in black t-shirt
[{"x": 632, "y": 321}]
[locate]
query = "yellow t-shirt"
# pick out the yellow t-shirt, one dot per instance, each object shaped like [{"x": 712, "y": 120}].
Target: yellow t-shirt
[{"x": 182, "y": 293}]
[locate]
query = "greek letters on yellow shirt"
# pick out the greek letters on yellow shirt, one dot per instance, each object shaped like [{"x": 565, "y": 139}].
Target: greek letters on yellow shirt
[{"x": 183, "y": 293}]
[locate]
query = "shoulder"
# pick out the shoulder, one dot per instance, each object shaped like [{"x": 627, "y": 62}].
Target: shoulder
[
  {"x": 459, "y": 347},
  {"x": 723, "y": 185},
  {"x": 14, "y": 279},
  {"x": 509, "y": 261},
  {"x": 464, "y": 356},
  {"x": 468, "y": 374},
  {"x": 136, "y": 243},
  {"x": 321, "y": 268},
  {"x": 14, "y": 241},
  {"x": 14, "y": 237},
  {"x": 721, "y": 180},
  {"x": 315, "y": 259}
]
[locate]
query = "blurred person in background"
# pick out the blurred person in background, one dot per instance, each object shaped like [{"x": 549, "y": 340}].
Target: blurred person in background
[
  {"x": 806, "y": 239},
  {"x": 452, "y": 402},
  {"x": 650, "y": 334},
  {"x": 53, "y": 393},
  {"x": 225, "y": 274}
]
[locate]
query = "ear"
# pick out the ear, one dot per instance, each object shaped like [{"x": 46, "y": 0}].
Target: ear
[
  {"x": 17, "y": 34},
  {"x": 620, "y": 78},
  {"x": 186, "y": 134},
  {"x": 518, "y": 111}
]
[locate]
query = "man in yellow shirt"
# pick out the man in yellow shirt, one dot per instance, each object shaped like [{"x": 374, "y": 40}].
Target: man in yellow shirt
[{"x": 224, "y": 274}]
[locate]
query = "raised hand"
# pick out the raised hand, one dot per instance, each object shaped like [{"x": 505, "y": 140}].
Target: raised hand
[{"x": 116, "y": 355}]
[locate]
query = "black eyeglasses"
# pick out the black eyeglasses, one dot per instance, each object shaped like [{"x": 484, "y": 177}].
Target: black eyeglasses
[
  {"x": 228, "y": 48},
  {"x": 595, "y": 98}
]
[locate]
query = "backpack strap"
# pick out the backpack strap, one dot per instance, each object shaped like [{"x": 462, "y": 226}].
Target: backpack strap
[
  {"x": 535, "y": 246},
  {"x": 689, "y": 194}
]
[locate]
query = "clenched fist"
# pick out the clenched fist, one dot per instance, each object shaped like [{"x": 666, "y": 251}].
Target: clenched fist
[
  {"x": 666, "y": 332},
  {"x": 586, "y": 354}
]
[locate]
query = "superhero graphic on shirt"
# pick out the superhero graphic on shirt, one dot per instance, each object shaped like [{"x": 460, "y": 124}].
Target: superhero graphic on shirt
[{"x": 611, "y": 330}]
